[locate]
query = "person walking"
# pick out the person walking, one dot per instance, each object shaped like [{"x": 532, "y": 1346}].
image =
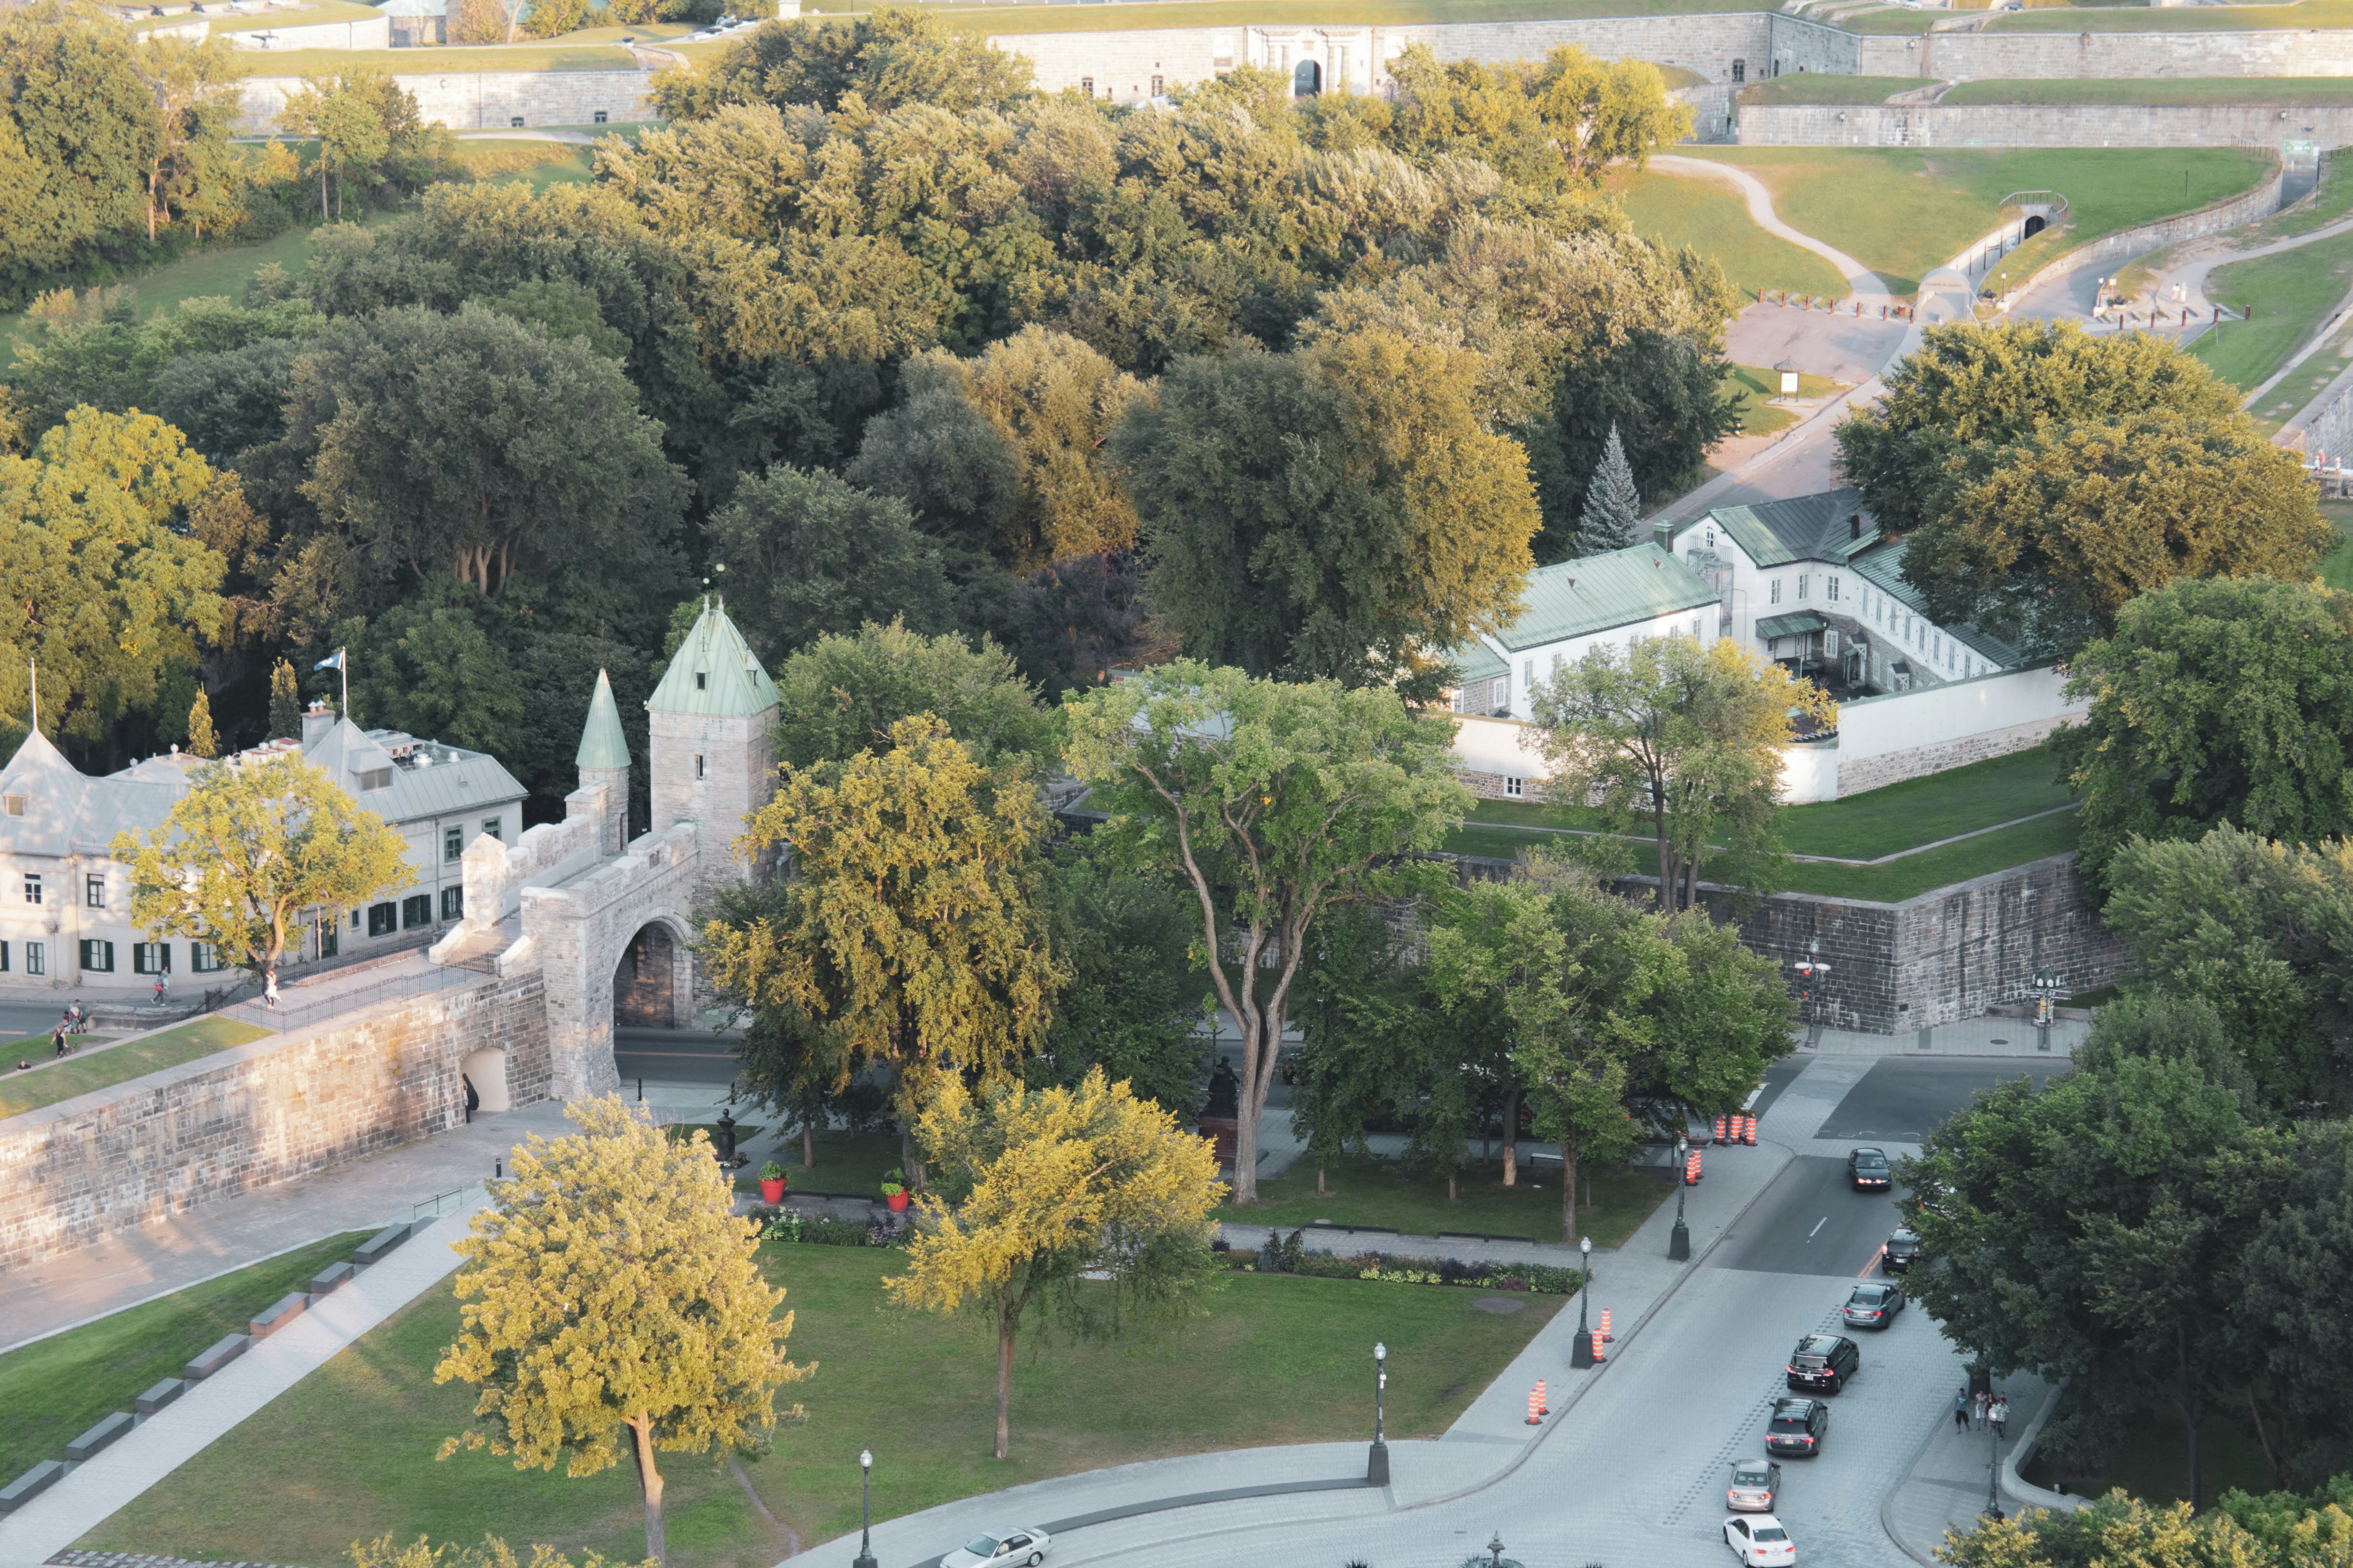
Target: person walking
[
  {"x": 57, "y": 1038},
  {"x": 473, "y": 1100},
  {"x": 162, "y": 990},
  {"x": 1961, "y": 1409},
  {"x": 270, "y": 990},
  {"x": 1999, "y": 1415},
  {"x": 1983, "y": 1402}
]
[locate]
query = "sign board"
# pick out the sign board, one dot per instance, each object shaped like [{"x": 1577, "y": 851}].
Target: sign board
[{"x": 1788, "y": 383}]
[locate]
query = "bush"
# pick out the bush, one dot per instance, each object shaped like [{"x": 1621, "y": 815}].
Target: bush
[
  {"x": 816, "y": 1230},
  {"x": 1290, "y": 1255}
]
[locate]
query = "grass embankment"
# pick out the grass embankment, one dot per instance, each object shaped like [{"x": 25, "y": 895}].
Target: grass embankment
[
  {"x": 1753, "y": 385},
  {"x": 1821, "y": 86},
  {"x": 1903, "y": 212},
  {"x": 2331, "y": 199},
  {"x": 2190, "y": 90},
  {"x": 21, "y": 1093},
  {"x": 992, "y": 18},
  {"x": 2336, "y": 569},
  {"x": 348, "y": 1454},
  {"x": 1865, "y": 826},
  {"x": 552, "y": 56},
  {"x": 2308, "y": 15},
  {"x": 1711, "y": 217},
  {"x": 55, "y": 1389},
  {"x": 2293, "y": 294},
  {"x": 1360, "y": 1191}
]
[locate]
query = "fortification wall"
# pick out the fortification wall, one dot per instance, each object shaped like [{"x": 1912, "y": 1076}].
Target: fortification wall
[
  {"x": 484, "y": 100},
  {"x": 1978, "y": 56},
  {"x": 227, "y": 1123},
  {"x": 2041, "y": 125}
]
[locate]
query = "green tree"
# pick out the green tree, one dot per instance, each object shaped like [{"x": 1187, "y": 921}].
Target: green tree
[
  {"x": 432, "y": 668},
  {"x": 1271, "y": 803},
  {"x": 810, "y": 555},
  {"x": 493, "y": 1553},
  {"x": 1687, "y": 734},
  {"x": 1612, "y": 517},
  {"x": 99, "y": 579},
  {"x": 248, "y": 849},
  {"x": 912, "y": 934},
  {"x": 846, "y": 694},
  {"x": 1558, "y": 123},
  {"x": 612, "y": 1297},
  {"x": 78, "y": 132},
  {"x": 202, "y": 741},
  {"x": 285, "y": 703},
  {"x": 353, "y": 138},
  {"x": 191, "y": 170},
  {"x": 2215, "y": 702},
  {"x": 1135, "y": 991},
  {"x": 1338, "y": 512},
  {"x": 2041, "y": 477},
  {"x": 1056, "y": 1187},
  {"x": 1665, "y": 387},
  {"x": 891, "y": 55}
]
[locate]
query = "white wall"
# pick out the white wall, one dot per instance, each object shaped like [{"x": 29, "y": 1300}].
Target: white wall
[
  {"x": 366, "y": 32},
  {"x": 1545, "y": 659},
  {"x": 1940, "y": 715}
]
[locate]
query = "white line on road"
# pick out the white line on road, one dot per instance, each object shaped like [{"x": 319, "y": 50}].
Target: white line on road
[{"x": 1818, "y": 1228}]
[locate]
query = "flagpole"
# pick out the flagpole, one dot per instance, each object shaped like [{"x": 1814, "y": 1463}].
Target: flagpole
[{"x": 343, "y": 668}]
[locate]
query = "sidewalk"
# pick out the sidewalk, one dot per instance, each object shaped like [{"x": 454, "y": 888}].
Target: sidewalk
[
  {"x": 1945, "y": 1487},
  {"x": 162, "y": 1442}
]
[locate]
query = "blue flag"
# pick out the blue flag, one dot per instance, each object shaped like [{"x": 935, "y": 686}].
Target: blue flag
[{"x": 334, "y": 661}]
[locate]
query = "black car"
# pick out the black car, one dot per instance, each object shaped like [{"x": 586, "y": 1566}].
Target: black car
[
  {"x": 1823, "y": 1362},
  {"x": 1899, "y": 1252},
  {"x": 1872, "y": 1306},
  {"x": 1797, "y": 1426},
  {"x": 1869, "y": 1168}
]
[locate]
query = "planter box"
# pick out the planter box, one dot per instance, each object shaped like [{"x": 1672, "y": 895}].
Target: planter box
[
  {"x": 106, "y": 1431},
  {"x": 379, "y": 1246},
  {"x": 278, "y": 1314},
  {"x": 159, "y": 1396},
  {"x": 222, "y": 1351},
  {"x": 330, "y": 1280},
  {"x": 30, "y": 1485}
]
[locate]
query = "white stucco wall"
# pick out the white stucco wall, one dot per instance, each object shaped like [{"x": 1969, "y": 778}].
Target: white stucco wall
[{"x": 1538, "y": 663}]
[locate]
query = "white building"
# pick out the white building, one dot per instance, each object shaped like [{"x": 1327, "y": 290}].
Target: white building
[
  {"x": 65, "y": 900},
  {"x": 1609, "y": 600},
  {"x": 1812, "y": 583}
]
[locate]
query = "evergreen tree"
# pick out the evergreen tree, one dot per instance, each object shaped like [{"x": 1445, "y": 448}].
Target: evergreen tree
[
  {"x": 1612, "y": 518},
  {"x": 201, "y": 740},
  {"x": 285, "y": 704}
]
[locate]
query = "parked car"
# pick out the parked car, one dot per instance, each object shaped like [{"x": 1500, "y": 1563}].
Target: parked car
[
  {"x": 1823, "y": 1362},
  {"x": 1001, "y": 1549},
  {"x": 1755, "y": 1486},
  {"x": 1871, "y": 1306},
  {"x": 1797, "y": 1426},
  {"x": 1761, "y": 1542},
  {"x": 1869, "y": 1170},
  {"x": 1900, "y": 1251}
]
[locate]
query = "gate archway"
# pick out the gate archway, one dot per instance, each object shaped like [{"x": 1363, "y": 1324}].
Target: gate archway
[{"x": 1307, "y": 80}]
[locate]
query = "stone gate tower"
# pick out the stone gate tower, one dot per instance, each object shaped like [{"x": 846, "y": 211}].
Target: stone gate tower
[{"x": 712, "y": 754}]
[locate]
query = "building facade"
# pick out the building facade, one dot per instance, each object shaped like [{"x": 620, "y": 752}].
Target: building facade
[
  {"x": 1610, "y": 600},
  {"x": 65, "y": 900}
]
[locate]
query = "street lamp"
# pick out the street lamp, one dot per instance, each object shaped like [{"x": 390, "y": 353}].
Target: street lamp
[
  {"x": 1679, "y": 1240},
  {"x": 865, "y": 1558},
  {"x": 1581, "y": 1354},
  {"x": 1377, "y": 1466},
  {"x": 2046, "y": 997},
  {"x": 1993, "y": 1459}
]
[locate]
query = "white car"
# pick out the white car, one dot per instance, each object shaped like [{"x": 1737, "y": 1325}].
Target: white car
[
  {"x": 1006, "y": 1548},
  {"x": 1759, "y": 1541}
]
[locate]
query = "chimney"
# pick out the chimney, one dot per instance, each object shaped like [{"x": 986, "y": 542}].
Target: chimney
[
  {"x": 1854, "y": 525},
  {"x": 317, "y": 719}
]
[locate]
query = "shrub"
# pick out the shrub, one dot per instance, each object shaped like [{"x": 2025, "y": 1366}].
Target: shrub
[{"x": 1290, "y": 1255}]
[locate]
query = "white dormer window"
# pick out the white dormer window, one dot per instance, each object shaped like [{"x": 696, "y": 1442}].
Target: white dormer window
[
  {"x": 375, "y": 778},
  {"x": 701, "y": 681},
  {"x": 16, "y": 805}
]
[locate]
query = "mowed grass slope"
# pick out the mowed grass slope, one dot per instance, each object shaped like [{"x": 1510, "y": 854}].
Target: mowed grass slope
[
  {"x": 2162, "y": 90},
  {"x": 2292, "y": 294},
  {"x": 348, "y": 1453},
  {"x": 1903, "y": 212},
  {"x": 1713, "y": 218},
  {"x": 80, "y": 1074}
]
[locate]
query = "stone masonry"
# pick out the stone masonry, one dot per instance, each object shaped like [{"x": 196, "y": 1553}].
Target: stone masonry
[
  {"x": 482, "y": 100},
  {"x": 2041, "y": 125},
  {"x": 242, "y": 1119}
]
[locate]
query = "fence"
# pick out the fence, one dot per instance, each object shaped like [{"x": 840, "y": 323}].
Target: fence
[{"x": 295, "y": 1012}]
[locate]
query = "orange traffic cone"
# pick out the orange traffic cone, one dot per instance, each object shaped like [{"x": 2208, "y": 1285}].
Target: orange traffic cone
[
  {"x": 1597, "y": 1347},
  {"x": 1606, "y": 1335},
  {"x": 1535, "y": 1407},
  {"x": 1719, "y": 1130},
  {"x": 1690, "y": 1170},
  {"x": 1748, "y": 1132},
  {"x": 1544, "y": 1398}
]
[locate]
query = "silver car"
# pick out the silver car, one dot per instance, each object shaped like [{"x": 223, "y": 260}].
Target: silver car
[
  {"x": 1755, "y": 1486},
  {"x": 1000, "y": 1549}
]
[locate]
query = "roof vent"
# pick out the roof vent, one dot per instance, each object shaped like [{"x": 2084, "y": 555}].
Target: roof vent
[
  {"x": 1572, "y": 581},
  {"x": 1854, "y": 525}
]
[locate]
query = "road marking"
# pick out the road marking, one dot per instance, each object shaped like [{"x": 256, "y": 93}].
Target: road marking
[
  {"x": 1867, "y": 1265},
  {"x": 1818, "y": 1228}
]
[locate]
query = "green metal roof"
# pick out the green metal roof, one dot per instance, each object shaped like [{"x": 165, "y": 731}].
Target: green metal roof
[
  {"x": 1599, "y": 593},
  {"x": 602, "y": 744},
  {"x": 1797, "y": 624},
  {"x": 714, "y": 673},
  {"x": 1477, "y": 661},
  {"x": 1818, "y": 527}
]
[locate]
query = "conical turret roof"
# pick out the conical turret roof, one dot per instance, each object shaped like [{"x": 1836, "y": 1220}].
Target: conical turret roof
[
  {"x": 714, "y": 674},
  {"x": 602, "y": 744}
]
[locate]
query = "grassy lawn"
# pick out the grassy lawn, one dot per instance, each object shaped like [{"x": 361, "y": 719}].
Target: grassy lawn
[
  {"x": 2336, "y": 567},
  {"x": 1901, "y": 211},
  {"x": 1821, "y": 86},
  {"x": 556, "y": 55},
  {"x": 2331, "y": 200},
  {"x": 1916, "y": 874},
  {"x": 2192, "y": 19},
  {"x": 1755, "y": 383},
  {"x": 2280, "y": 89},
  {"x": 2292, "y": 294},
  {"x": 1711, "y": 217},
  {"x": 120, "y": 1063},
  {"x": 1273, "y": 13},
  {"x": 348, "y": 1453},
  {"x": 1921, "y": 811},
  {"x": 54, "y": 1389},
  {"x": 1360, "y": 1191},
  {"x": 846, "y": 1162}
]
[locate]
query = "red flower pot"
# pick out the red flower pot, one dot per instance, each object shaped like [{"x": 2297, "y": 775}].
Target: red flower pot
[
  {"x": 898, "y": 1201},
  {"x": 772, "y": 1192}
]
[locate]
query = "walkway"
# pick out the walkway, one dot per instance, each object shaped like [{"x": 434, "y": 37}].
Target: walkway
[{"x": 162, "y": 1442}]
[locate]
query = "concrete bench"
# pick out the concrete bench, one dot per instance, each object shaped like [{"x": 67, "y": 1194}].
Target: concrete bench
[
  {"x": 223, "y": 1351},
  {"x": 159, "y": 1396},
  {"x": 30, "y": 1485},
  {"x": 379, "y": 1246},
  {"x": 278, "y": 1314},
  {"x": 106, "y": 1431},
  {"x": 330, "y": 1280}
]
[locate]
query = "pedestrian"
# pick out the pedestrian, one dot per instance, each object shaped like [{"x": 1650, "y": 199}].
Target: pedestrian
[
  {"x": 1961, "y": 1409},
  {"x": 24, "y": 1063},
  {"x": 2000, "y": 1414},
  {"x": 473, "y": 1100},
  {"x": 270, "y": 990},
  {"x": 57, "y": 1038},
  {"x": 1982, "y": 1401},
  {"x": 162, "y": 990}
]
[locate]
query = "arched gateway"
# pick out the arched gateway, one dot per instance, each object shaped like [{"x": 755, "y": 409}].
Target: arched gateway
[{"x": 608, "y": 925}]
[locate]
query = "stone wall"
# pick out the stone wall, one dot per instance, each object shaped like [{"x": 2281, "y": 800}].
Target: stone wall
[
  {"x": 483, "y": 99},
  {"x": 1978, "y": 56},
  {"x": 243, "y": 1119},
  {"x": 2041, "y": 125},
  {"x": 1950, "y": 954},
  {"x": 1857, "y": 775}
]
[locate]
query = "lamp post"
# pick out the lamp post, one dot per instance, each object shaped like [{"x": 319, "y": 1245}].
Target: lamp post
[
  {"x": 1993, "y": 1459},
  {"x": 865, "y": 1558},
  {"x": 1377, "y": 1466},
  {"x": 2046, "y": 993},
  {"x": 1581, "y": 1353},
  {"x": 1679, "y": 1239}
]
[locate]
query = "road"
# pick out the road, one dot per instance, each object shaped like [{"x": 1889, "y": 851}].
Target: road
[{"x": 673, "y": 1056}]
